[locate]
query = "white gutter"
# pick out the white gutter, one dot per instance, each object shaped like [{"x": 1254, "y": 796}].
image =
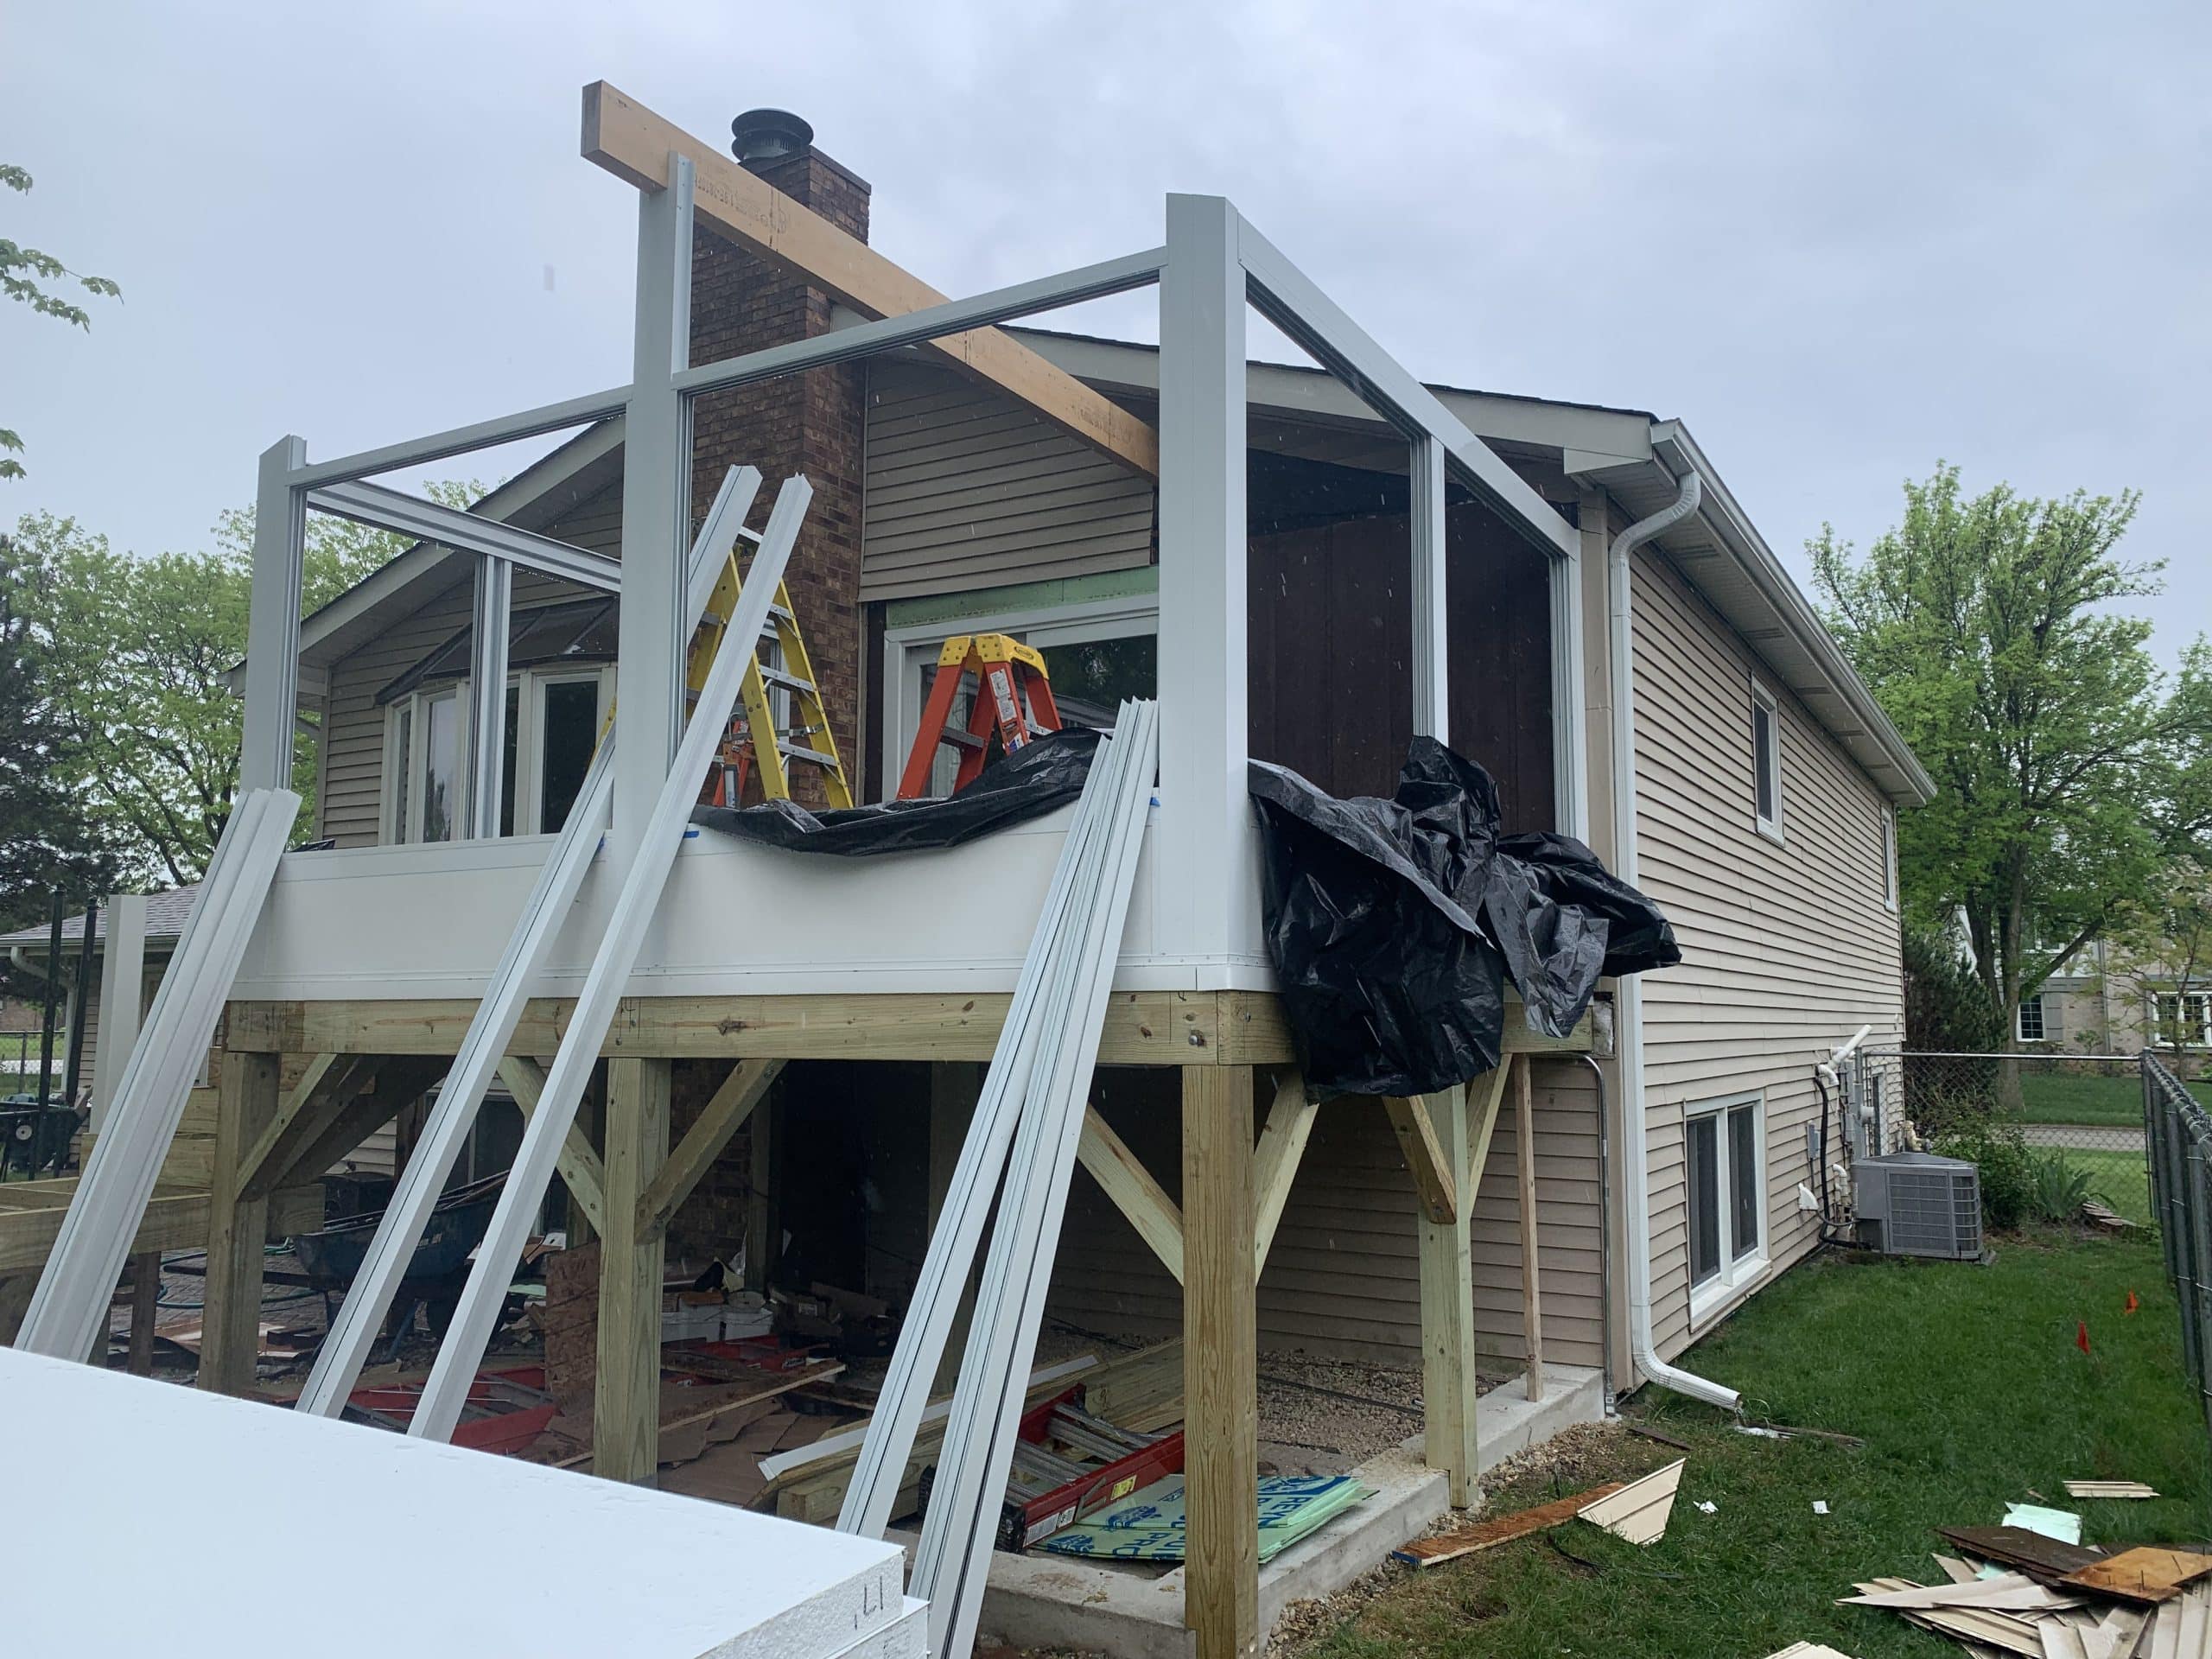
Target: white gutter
[{"x": 1628, "y": 997}]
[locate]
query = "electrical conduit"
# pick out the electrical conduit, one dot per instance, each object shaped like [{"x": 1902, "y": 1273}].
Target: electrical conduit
[{"x": 1627, "y": 995}]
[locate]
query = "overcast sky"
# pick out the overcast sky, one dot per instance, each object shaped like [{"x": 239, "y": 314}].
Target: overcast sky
[{"x": 1840, "y": 241}]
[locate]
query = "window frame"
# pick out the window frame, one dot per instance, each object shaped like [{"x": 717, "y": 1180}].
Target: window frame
[
  {"x": 1740, "y": 1269},
  {"x": 2020, "y": 1020},
  {"x": 2168, "y": 1034},
  {"x": 1763, "y": 700},
  {"x": 402, "y": 748},
  {"x": 912, "y": 646}
]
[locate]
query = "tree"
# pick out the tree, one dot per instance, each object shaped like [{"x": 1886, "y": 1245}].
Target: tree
[
  {"x": 22, "y": 271},
  {"x": 46, "y": 840},
  {"x": 141, "y": 649},
  {"x": 2068, "y": 769},
  {"x": 2161, "y": 947}
]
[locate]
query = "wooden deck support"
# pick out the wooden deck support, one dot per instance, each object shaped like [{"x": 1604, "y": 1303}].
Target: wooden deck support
[
  {"x": 237, "y": 1226},
  {"x": 1220, "y": 1364},
  {"x": 1524, "y": 1142},
  {"x": 626, "y": 1412},
  {"x": 1447, "y": 1303}
]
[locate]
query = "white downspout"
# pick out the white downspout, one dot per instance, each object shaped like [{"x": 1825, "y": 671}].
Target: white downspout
[{"x": 1628, "y": 997}]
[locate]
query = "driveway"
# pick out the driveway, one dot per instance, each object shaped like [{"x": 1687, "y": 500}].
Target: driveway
[{"x": 2084, "y": 1137}]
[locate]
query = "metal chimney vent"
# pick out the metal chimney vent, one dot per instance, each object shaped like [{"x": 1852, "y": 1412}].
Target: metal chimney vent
[{"x": 768, "y": 136}]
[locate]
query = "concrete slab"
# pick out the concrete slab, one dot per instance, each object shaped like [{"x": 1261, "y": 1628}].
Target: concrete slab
[{"x": 1135, "y": 1612}]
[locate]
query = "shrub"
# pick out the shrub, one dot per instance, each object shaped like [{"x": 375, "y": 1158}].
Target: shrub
[
  {"x": 2009, "y": 1172},
  {"x": 1947, "y": 1009},
  {"x": 2058, "y": 1190}
]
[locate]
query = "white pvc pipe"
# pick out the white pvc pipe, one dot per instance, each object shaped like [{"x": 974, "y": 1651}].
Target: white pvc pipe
[{"x": 1628, "y": 998}]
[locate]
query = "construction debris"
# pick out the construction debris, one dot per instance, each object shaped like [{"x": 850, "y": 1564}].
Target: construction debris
[
  {"x": 2108, "y": 1489},
  {"x": 2062, "y": 1524},
  {"x": 1639, "y": 1511},
  {"x": 2033, "y": 1552},
  {"x": 1149, "y": 1525},
  {"x": 2103, "y": 1215},
  {"x": 1504, "y": 1529},
  {"x": 2144, "y": 1574},
  {"x": 1807, "y": 1650}
]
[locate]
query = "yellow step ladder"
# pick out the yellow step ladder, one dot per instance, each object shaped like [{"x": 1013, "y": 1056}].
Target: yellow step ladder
[{"x": 802, "y": 738}]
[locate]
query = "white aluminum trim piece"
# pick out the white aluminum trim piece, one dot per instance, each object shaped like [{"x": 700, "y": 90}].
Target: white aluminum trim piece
[
  {"x": 68, "y": 1311},
  {"x": 272, "y": 640},
  {"x": 951, "y": 1563},
  {"x": 467, "y": 532},
  {"x": 946, "y": 1265},
  {"x": 353, "y": 1332},
  {"x": 1638, "y": 1511},
  {"x": 123, "y": 998},
  {"x": 644, "y": 875},
  {"x": 487, "y": 695}
]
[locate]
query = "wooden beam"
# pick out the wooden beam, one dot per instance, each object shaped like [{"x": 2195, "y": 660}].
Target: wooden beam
[
  {"x": 702, "y": 1143},
  {"x": 1532, "y": 1313},
  {"x": 1124, "y": 1178},
  {"x": 1447, "y": 1307},
  {"x": 238, "y": 1226},
  {"x": 173, "y": 1221},
  {"x": 635, "y": 145},
  {"x": 347, "y": 1123},
  {"x": 625, "y": 1409},
  {"x": 764, "y": 1171},
  {"x": 1425, "y": 1155},
  {"x": 1221, "y": 1596},
  {"x": 1275, "y": 1164},
  {"x": 324, "y": 1087},
  {"x": 581, "y": 1169},
  {"x": 145, "y": 1300},
  {"x": 1174, "y": 1028}
]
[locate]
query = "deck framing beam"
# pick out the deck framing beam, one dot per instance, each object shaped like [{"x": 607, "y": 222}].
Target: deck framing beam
[
  {"x": 1275, "y": 1163},
  {"x": 1144, "y": 1203},
  {"x": 726, "y": 1112}
]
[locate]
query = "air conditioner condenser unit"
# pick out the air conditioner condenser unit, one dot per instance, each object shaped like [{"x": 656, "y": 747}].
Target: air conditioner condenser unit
[{"x": 1916, "y": 1204}]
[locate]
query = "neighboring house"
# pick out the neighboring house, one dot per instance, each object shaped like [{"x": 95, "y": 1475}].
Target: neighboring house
[
  {"x": 1767, "y": 778},
  {"x": 2110, "y": 1000}
]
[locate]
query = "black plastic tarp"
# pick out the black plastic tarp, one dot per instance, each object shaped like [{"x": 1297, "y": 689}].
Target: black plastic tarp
[
  {"x": 1394, "y": 925},
  {"x": 1042, "y": 775}
]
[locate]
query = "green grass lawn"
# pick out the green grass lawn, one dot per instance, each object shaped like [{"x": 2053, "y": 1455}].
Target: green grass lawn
[
  {"x": 1968, "y": 1387},
  {"x": 2111, "y": 1094}
]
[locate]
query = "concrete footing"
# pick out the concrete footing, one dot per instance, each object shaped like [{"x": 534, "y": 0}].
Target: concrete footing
[{"x": 1136, "y": 1612}]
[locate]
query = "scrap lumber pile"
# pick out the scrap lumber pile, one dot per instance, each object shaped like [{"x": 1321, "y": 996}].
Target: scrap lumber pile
[
  {"x": 1637, "y": 1511},
  {"x": 2013, "y": 1590}
]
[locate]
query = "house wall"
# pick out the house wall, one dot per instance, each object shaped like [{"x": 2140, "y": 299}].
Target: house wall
[
  {"x": 348, "y": 804},
  {"x": 967, "y": 488},
  {"x": 1343, "y": 1275},
  {"x": 1787, "y": 950}
]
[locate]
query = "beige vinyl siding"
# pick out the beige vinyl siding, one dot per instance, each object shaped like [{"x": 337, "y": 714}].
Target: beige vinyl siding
[
  {"x": 351, "y": 793},
  {"x": 1343, "y": 1275},
  {"x": 1787, "y": 950},
  {"x": 968, "y": 488}
]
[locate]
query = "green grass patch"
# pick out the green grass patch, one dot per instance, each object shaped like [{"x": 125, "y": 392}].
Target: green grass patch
[
  {"x": 2111, "y": 1096},
  {"x": 1968, "y": 1387}
]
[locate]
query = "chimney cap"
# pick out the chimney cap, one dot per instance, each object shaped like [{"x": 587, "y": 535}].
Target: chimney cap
[{"x": 768, "y": 136}]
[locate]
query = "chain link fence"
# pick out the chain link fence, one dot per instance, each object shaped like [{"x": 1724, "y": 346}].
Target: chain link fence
[
  {"x": 2179, "y": 1131},
  {"x": 2050, "y": 1132}
]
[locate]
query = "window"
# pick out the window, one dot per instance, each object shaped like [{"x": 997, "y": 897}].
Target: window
[
  {"x": 553, "y": 721},
  {"x": 1889, "y": 820},
  {"x": 1725, "y": 1145},
  {"x": 1766, "y": 762},
  {"x": 1096, "y": 654},
  {"x": 2184, "y": 1017},
  {"x": 2030, "y": 1027}
]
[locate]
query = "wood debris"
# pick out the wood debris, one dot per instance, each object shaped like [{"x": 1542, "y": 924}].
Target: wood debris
[
  {"x": 2142, "y": 1575},
  {"x": 2079, "y": 1616},
  {"x": 2036, "y": 1555},
  {"x": 1502, "y": 1529},
  {"x": 2108, "y": 1489},
  {"x": 1807, "y": 1650},
  {"x": 1638, "y": 1511}
]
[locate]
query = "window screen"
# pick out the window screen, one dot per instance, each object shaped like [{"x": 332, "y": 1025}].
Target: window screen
[
  {"x": 1705, "y": 1197},
  {"x": 1744, "y": 1186}
]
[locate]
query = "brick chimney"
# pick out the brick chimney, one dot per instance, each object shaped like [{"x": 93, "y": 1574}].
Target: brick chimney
[{"x": 810, "y": 423}]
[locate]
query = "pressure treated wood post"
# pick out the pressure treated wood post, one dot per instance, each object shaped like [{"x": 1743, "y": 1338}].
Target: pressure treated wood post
[
  {"x": 146, "y": 1305},
  {"x": 625, "y": 1413},
  {"x": 229, "y": 1337},
  {"x": 1447, "y": 1309},
  {"x": 1220, "y": 1361},
  {"x": 1532, "y": 1310}
]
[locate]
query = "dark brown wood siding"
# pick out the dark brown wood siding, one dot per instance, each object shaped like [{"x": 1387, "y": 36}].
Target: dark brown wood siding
[{"x": 1330, "y": 655}]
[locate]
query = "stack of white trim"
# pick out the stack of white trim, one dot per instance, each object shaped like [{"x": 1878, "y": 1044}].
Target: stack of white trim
[
  {"x": 353, "y": 1332},
  {"x": 1032, "y": 1104},
  {"x": 68, "y": 1311}
]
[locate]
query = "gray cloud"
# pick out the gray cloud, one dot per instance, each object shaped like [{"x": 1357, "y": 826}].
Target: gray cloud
[{"x": 1840, "y": 241}]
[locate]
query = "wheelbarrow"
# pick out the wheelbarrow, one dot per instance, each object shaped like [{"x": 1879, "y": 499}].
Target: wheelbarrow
[{"x": 331, "y": 1258}]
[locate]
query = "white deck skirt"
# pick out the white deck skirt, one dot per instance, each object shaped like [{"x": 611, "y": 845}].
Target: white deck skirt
[
  {"x": 737, "y": 920},
  {"x": 232, "y": 1504}
]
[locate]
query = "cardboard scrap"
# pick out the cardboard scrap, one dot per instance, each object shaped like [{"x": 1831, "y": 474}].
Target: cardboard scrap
[
  {"x": 2141, "y": 1574},
  {"x": 1501, "y": 1529}
]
